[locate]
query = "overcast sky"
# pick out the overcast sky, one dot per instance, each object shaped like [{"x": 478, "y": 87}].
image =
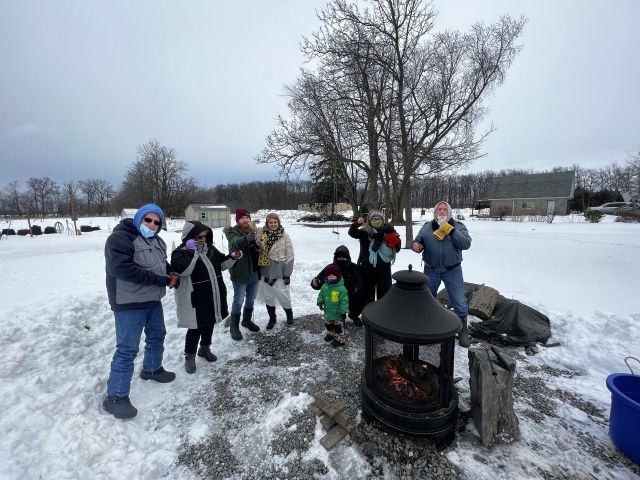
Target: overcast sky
[{"x": 83, "y": 82}]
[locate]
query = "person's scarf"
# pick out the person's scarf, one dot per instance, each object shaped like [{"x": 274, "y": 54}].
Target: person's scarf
[
  {"x": 268, "y": 237},
  {"x": 384, "y": 252}
]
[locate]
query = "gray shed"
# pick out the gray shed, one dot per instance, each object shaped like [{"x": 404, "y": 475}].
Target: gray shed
[
  {"x": 211, "y": 215},
  {"x": 535, "y": 194},
  {"x": 128, "y": 213}
]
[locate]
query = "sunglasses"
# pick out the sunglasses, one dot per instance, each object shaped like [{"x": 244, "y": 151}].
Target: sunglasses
[
  {"x": 151, "y": 220},
  {"x": 202, "y": 236}
]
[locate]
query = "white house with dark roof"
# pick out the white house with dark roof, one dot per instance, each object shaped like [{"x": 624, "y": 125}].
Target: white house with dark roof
[{"x": 534, "y": 194}]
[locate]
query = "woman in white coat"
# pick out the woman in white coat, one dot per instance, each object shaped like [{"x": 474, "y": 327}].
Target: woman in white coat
[{"x": 276, "y": 265}]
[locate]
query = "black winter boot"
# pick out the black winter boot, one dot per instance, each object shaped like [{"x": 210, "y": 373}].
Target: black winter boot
[
  {"x": 190, "y": 363},
  {"x": 463, "y": 337},
  {"x": 247, "y": 322},
  {"x": 272, "y": 317},
  {"x": 289, "y": 313},
  {"x": 329, "y": 336},
  {"x": 205, "y": 352},
  {"x": 160, "y": 375},
  {"x": 234, "y": 329},
  {"x": 356, "y": 319},
  {"x": 119, "y": 407}
]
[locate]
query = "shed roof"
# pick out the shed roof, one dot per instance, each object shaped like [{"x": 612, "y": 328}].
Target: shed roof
[
  {"x": 129, "y": 211},
  {"x": 201, "y": 206},
  {"x": 536, "y": 185}
]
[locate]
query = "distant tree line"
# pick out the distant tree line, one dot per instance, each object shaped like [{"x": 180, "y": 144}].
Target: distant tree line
[{"x": 168, "y": 186}]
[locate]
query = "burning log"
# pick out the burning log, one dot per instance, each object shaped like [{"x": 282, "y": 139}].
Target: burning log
[{"x": 406, "y": 380}]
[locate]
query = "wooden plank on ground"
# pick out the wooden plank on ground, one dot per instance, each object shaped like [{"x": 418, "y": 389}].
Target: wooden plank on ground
[
  {"x": 342, "y": 420},
  {"x": 327, "y": 422},
  {"x": 334, "y": 409},
  {"x": 334, "y": 435}
]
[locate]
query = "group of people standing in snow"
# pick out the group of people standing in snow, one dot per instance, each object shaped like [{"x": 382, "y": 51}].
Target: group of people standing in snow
[{"x": 261, "y": 263}]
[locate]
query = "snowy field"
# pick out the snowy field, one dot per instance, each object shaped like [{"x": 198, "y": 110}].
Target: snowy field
[{"x": 57, "y": 339}]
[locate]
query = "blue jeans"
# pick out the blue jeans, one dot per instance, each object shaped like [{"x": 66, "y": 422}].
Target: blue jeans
[
  {"x": 454, "y": 283},
  {"x": 246, "y": 292},
  {"x": 129, "y": 327}
]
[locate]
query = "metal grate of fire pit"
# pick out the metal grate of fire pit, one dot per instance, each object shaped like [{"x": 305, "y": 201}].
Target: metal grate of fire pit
[{"x": 407, "y": 382}]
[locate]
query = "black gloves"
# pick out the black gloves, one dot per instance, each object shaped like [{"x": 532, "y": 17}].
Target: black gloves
[
  {"x": 269, "y": 282},
  {"x": 250, "y": 237},
  {"x": 287, "y": 280},
  {"x": 343, "y": 316},
  {"x": 321, "y": 306}
]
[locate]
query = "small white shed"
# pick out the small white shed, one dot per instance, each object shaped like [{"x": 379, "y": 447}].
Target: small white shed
[
  {"x": 128, "y": 213},
  {"x": 211, "y": 215}
]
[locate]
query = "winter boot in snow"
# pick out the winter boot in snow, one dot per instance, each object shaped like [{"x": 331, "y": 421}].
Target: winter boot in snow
[
  {"x": 234, "y": 329},
  {"x": 463, "y": 336},
  {"x": 272, "y": 317},
  {"x": 289, "y": 313},
  {"x": 357, "y": 321},
  {"x": 329, "y": 336},
  {"x": 247, "y": 322},
  {"x": 339, "y": 338},
  {"x": 190, "y": 362},
  {"x": 160, "y": 375},
  {"x": 205, "y": 352},
  {"x": 119, "y": 407}
]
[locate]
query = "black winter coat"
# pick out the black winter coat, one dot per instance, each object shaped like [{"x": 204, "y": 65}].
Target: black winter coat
[
  {"x": 202, "y": 295},
  {"x": 363, "y": 237}
]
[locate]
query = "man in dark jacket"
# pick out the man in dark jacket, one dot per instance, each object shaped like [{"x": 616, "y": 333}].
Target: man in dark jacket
[
  {"x": 244, "y": 274},
  {"x": 137, "y": 277},
  {"x": 441, "y": 242},
  {"x": 353, "y": 281}
]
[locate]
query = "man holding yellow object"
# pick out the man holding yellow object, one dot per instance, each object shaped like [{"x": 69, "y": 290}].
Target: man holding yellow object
[{"x": 441, "y": 242}]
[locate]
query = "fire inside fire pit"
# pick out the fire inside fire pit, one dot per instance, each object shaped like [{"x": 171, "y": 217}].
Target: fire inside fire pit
[{"x": 406, "y": 381}]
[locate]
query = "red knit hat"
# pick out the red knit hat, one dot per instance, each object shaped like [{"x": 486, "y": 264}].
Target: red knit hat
[
  {"x": 332, "y": 269},
  {"x": 242, "y": 212}
]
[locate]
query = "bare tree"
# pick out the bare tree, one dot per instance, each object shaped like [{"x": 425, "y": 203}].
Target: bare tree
[
  {"x": 156, "y": 176},
  {"x": 41, "y": 190},
  {"x": 12, "y": 197},
  {"x": 390, "y": 97}
]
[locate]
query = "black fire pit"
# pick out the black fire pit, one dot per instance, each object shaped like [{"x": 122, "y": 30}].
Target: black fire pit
[{"x": 407, "y": 383}]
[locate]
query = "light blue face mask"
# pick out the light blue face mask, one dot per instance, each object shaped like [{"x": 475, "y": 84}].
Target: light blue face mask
[{"x": 146, "y": 231}]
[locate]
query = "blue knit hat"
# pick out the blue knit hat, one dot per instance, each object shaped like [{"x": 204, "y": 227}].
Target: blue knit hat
[{"x": 144, "y": 210}]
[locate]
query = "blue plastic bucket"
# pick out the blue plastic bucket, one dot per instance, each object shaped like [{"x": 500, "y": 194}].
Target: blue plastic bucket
[{"x": 624, "y": 421}]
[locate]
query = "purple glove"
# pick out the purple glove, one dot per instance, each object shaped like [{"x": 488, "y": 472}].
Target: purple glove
[
  {"x": 236, "y": 254},
  {"x": 191, "y": 244}
]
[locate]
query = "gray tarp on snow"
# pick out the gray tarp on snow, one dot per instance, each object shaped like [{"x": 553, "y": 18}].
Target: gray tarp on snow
[{"x": 512, "y": 322}]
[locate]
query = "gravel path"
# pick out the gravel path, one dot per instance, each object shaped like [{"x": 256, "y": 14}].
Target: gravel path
[{"x": 290, "y": 364}]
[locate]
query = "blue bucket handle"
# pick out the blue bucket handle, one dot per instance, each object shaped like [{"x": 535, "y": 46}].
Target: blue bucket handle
[{"x": 628, "y": 366}]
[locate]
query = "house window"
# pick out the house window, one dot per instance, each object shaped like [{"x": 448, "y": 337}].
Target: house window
[
  {"x": 203, "y": 215},
  {"x": 527, "y": 205}
]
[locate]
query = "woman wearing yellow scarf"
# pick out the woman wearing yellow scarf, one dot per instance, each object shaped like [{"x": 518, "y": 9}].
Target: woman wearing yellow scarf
[{"x": 276, "y": 266}]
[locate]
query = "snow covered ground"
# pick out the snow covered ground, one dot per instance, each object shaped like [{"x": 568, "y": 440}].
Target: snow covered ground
[{"x": 57, "y": 339}]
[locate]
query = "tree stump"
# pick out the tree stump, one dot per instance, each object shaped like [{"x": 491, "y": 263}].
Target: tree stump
[
  {"x": 483, "y": 301},
  {"x": 491, "y": 382}
]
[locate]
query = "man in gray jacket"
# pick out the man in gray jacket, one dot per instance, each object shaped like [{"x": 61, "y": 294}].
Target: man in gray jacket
[
  {"x": 137, "y": 279},
  {"x": 441, "y": 242}
]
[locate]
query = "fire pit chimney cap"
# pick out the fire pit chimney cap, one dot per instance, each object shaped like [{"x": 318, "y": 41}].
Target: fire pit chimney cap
[{"x": 410, "y": 279}]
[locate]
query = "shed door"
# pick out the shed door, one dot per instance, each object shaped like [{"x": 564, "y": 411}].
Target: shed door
[{"x": 551, "y": 207}]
